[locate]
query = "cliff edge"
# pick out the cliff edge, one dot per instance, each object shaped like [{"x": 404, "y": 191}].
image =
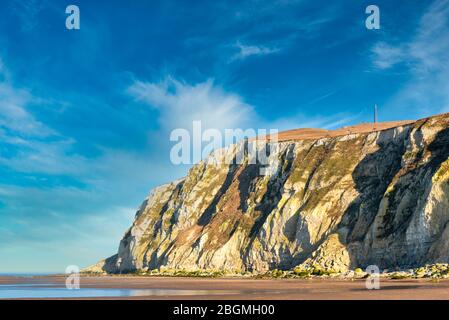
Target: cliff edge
[{"x": 378, "y": 196}]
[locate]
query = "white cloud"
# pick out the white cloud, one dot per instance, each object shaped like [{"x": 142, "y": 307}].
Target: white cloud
[
  {"x": 179, "y": 104},
  {"x": 386, "y": 56},
  {"x": 40, "y": 149},
  {"x": 246, "y": 51},
  {"x": 424, "y": 51},
  {"x": 13, "y": 113},
  {"x": 425, "y": 57}
]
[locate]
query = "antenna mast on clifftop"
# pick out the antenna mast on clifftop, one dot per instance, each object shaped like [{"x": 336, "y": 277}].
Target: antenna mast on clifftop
[
  {"x": 375, "y": 113},
  {"x": 375, "y": 116}
]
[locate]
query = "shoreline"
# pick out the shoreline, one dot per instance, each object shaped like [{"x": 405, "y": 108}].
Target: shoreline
[{"x": 249, "y": 288}]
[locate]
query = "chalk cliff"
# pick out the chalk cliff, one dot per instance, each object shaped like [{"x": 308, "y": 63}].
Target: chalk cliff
[{"x": 341, "y": 202}]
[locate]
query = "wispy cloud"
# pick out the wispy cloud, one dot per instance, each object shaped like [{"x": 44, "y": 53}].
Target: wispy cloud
[
  {"x": 39, "y": 148},
  {"x": 246, "y": 51},
  {"x": 323, "y": 97},
  {"x": 424, "y": 57},
  {"x": 424, "y": 52},
  {"x": 386, "y": 56},
  {"x": 14, "y": 116},
  {"x": 28, "y": 11},
  {"x": 180, "y": 103},
  {"x": 259, "y": 28}
]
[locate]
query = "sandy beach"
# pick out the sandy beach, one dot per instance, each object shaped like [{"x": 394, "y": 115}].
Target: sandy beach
[{"x": 249, "y": 289}]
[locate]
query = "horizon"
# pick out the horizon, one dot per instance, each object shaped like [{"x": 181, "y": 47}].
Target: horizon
[{"x": 86, "y": 115}]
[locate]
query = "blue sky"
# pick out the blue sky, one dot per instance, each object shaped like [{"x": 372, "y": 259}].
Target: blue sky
[{"x": 85, "y": 115}]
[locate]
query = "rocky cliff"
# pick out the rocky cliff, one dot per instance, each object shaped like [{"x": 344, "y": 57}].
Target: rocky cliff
[{"x": 340, "y": 202}]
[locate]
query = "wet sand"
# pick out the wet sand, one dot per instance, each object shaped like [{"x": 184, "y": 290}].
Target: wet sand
[{"x": 254, "y": 289}]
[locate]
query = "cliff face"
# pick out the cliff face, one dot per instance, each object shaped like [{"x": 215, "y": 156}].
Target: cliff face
[{"x": 341, "y": 202}]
